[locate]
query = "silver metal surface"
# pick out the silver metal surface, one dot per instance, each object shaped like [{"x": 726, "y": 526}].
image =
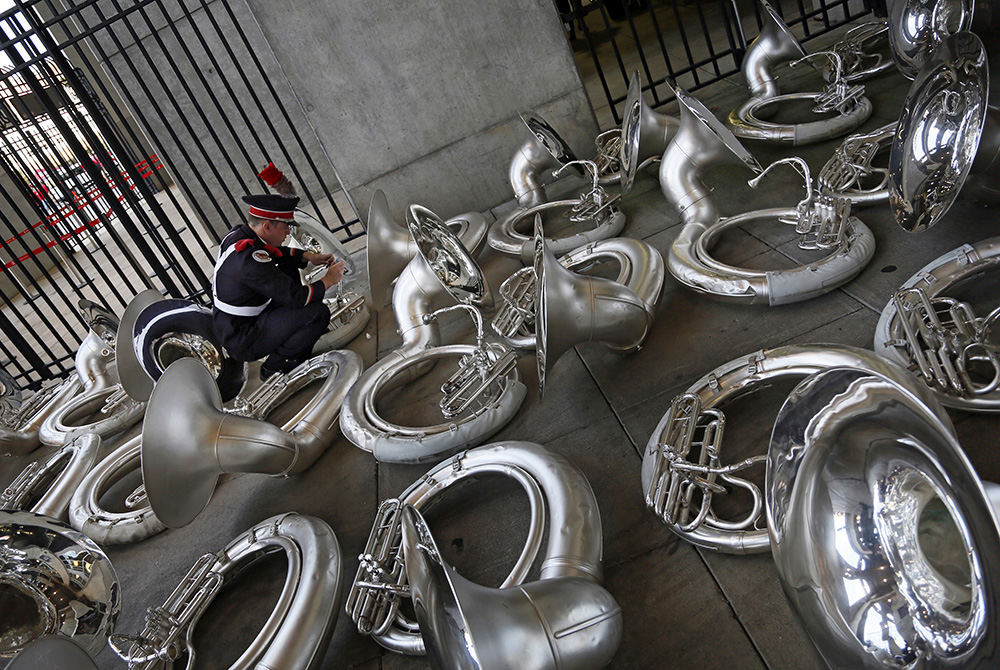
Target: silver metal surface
[
  {"x": 46, "y": 486},
  {"x": 594, "y": 210},
  {"x": 940, "y": 282},
  {"x": 442, "y": 272},
  {"x": 52, "y": 652},
  {"x": 850, "y": 173},
  {"x": 667, "y": 467},
  {"x": 939, "y": 132},
  {"x": 562, "y": 622},
  {"x": 91, "y": 517},
  {"x": 391, "y": 247},
  {"x": 105, "y": 412},
  {"x": 19, "y": 429},
  {"x": 703, "y": 142},
  {"x": 133, "y": 378},
  {"x": 644, "y": 134},
  {"x": 843, "y": 107},
  {"x": 861, "y": 52},
  {"x": 884, "y": 539},
  {"x": 53, "y": 580},
  {"x": 188, "y": 441},
  {"x": 295, "y": 635},
  {"x": 535, "y": 160},
  {"x": 640, "y": 268},
  {"x": 917, "y": 26},
  {"x": 560, "y": 499},
  {"x": 572, "y": 309}
]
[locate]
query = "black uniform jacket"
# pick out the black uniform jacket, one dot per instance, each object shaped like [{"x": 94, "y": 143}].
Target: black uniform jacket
[{"x": 251, "y": 276}]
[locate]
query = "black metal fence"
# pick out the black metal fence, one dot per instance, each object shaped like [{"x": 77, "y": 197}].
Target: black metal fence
[
  {"x": 692, "y": 42},
  {"x": 128, "y": 132}
]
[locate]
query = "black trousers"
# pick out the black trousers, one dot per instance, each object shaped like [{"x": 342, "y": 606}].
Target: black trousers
[{"x": 286, "y": 335}]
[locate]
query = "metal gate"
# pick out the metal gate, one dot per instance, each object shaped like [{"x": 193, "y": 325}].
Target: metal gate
[
  {"x": 692, "y": 42},
  {"x": 128, "y": 133}
]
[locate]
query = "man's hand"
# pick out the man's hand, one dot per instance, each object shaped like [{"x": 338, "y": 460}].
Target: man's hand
[
  {"x": 333, "y": 274},
  {"x": 317, "y": 259}
]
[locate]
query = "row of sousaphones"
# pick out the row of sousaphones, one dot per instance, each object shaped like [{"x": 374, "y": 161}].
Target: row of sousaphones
[{"x": 566, "y": 618}]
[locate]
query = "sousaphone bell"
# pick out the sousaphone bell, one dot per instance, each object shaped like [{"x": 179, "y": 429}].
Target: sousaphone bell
[
  {"x": 188, "y": 441},
  {"x": 573, "y": 308}
]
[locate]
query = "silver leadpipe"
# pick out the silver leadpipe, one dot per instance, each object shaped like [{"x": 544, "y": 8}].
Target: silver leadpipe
[
  {"x": 559, "y": 497},
  {"x": 46, "y": 486},
  {"x": 295, "y": 635}
]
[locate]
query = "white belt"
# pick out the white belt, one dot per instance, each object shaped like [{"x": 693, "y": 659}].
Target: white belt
[{"x": 234, "y": 310}]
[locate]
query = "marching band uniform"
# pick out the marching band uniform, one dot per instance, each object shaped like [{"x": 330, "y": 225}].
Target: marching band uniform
[{"x": 261, "y": 307}]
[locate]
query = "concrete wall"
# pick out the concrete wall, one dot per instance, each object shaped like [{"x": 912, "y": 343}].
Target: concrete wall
[
  {"x": 417, "y": 98},
  {"x": 421, "y": 98}
]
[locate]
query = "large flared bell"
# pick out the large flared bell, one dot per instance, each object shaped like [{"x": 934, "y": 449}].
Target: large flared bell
[
  {"x": 566, "y": 622},
  {"x": 774, "y": 44},
  {"x": 133, "y": 378},
  {"x": 916, "y": 27},
  {"x": 645, "y": 133},
  {"x": 939, "y": 132},
  {"x": 448, "y": 258},
  {"x": 869, "y": 492},
  {"x": 572, "y": 309},
  {"x": 188, "y": 441}
]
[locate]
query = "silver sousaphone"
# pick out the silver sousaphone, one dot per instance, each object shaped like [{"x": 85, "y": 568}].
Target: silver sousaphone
[
  {"x": 188, "y": 441},
  {"x": 542, "y": 153},
  {"x": 944, "y": 120},
  {"x": 586, "y": 620},
  {"x": 442, "y": 272},
  {"x": 885, "y": 541},
  {"x": 841, "y": 106},
  {"x": 645, "y": 133},
  {"x": 296, "y": 633}
]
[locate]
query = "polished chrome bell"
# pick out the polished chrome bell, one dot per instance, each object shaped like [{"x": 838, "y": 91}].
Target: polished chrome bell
[
  {"x": 391, "y": 247},
  {"x": 188, "y": 440},
  {"x": 885, "y": 542},
  {"x": 939, "y": 132},
  {"x": 916, "y": 27},
  {"x": 564, "y": 622},
  {"x": 53, "y": 581}
]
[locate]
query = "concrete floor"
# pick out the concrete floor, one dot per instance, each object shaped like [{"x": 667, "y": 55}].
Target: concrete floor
[{"x": 683, "y": 607}]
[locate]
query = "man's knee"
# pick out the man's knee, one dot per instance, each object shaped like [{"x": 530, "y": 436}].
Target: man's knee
[{"x": 318, "y": 314}]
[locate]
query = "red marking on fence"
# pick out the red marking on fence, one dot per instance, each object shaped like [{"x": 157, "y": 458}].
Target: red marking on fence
[{"x": 145, "y": 168}]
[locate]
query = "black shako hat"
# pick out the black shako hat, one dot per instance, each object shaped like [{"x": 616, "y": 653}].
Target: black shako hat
[{"x": 272, "y": 207}]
